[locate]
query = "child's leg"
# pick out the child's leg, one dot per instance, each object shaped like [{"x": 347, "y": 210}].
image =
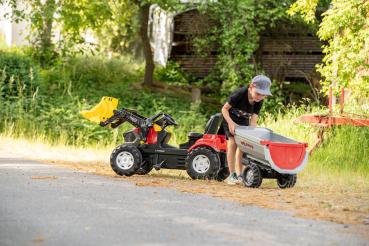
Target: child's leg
[
  {"x": 238, "y": 164},
  {"x": 231, "y": 152}
]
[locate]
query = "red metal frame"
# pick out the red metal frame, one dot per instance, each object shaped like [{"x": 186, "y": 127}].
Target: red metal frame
[
  {"x": 329, "y": 120},
  {"x": 152, "y": 135}
]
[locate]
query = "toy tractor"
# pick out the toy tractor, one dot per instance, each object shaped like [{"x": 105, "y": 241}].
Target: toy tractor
[{"x": 146, "y": 146}]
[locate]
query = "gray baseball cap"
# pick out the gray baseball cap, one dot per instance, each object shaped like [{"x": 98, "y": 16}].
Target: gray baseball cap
[{"x": 262, "y": 84}]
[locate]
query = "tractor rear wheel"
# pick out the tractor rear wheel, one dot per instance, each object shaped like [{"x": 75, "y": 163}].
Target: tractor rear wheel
[
  {"x": 202, "y": 163},
  {"x": 251, "y": 176},
  {"x": 126, "y": 159},
  {"x": 286, "y": 181}
]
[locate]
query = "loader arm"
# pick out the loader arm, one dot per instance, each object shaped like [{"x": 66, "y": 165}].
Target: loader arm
[{"x": 126, "y": 115}]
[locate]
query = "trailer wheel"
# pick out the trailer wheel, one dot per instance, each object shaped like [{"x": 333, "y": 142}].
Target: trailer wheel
[
  {"x": 251, "y": 176},
  {"x": 222, "y": 174},
  {"x": 202, "y": 163},
  {"x": 125, "y": 159},
  {"x": 145, "y": 168},
  {"x": 286, "y": 181}
]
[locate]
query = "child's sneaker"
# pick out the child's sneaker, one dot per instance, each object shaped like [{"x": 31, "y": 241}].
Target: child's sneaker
[
  {"x": 232, "y": 179},
  {"x": 239, "y": 179}
]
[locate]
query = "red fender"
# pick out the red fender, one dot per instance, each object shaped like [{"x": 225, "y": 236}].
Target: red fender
[{"x": 214, "y": 141}]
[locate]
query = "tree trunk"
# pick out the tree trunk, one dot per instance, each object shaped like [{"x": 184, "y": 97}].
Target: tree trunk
[
  {"x": 149, "y": 61},
  {"x": 46, "y": 49}
]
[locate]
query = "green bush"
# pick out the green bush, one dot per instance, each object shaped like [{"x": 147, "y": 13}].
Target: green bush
[
  {"x": 172, "y": 74},
  {"x": 18, "y": 75},
  {"x": 85, "y": 73},
  {"x": 275, "y": 103}
]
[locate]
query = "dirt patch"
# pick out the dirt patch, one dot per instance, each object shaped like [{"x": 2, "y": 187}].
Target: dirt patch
[{"x": 38, "y": 240}]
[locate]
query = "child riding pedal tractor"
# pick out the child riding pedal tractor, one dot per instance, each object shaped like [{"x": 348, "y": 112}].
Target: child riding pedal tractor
[{"x": 146, "y": 145}]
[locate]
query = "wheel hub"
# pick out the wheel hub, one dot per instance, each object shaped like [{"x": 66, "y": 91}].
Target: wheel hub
[
  {"x": 201, "y": 164},
  {"x": 125, "y": 160},
  {"x": 249, "y": 177}
]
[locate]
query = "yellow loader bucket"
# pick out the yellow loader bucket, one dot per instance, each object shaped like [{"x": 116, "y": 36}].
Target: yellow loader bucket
[{"x": 101, "y": 111}]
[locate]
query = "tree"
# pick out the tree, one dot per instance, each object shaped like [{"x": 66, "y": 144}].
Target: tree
[
  {"x": 119, "y": 33},
  {"x": 144, "y": 11},
  {"x": 345, "y": 28},
  {"x": 73, "y": 17}
]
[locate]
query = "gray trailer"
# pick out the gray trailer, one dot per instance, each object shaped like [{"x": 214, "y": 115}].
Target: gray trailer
[{"x": 269, "y": 155}]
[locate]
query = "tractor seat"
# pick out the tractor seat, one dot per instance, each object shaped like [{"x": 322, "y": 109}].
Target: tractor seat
[{"x": 195, "y": 135}]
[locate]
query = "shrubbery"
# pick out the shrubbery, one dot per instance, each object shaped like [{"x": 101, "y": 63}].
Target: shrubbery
[
  {"x": 79, "y": 83},
  {"x": 18, "y": 75}
]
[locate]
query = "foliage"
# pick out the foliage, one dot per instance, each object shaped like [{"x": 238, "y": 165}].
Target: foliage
[
  {"x": 16, "y": 68},
  {"x": 239, "y": 24},
  {"x": 87, "y": 73},
  {"x": 119, "y": 33},
  {"x": 79, "y": 83},
  {"x": 345, "y": 27},
  {"x": 172, "y": 74},
  {"x": 275, "y": 103},
  {"x": 72, "y": 18},
  {"x": 346, "y": 148},
  {"x": 306, "y": 8}
]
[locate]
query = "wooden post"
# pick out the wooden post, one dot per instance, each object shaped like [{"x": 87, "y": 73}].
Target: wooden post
[
  {"x": 195, "y": 94},
  {"x": 330, "y": 100},
  {"x": 342, "y": 100}
]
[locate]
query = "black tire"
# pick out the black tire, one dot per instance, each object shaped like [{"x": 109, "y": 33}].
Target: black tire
[
  {"x": 251, "y": 176},
  {"x": 125, "y": 159},
  {"x": 222, "y": 174},
  {"x": 286, "y": 181},
  {"x": 202, "y": 163},
  {"x": 145, "y": 168}
]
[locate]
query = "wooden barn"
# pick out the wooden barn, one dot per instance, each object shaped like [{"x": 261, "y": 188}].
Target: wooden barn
[{"x": 284, "y": 54}]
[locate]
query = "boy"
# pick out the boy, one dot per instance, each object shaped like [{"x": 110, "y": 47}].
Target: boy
[{"x": 242, "y": 108}]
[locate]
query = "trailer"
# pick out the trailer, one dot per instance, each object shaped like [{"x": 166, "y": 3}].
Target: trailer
[{"x": 269, "y": 155}]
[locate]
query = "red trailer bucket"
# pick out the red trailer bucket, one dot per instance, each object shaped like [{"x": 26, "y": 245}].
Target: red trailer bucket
[{"x": 285, "y": 156}]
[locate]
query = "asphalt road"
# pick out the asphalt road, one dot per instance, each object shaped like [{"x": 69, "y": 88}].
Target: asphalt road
[{"x": 46, "y": 205}]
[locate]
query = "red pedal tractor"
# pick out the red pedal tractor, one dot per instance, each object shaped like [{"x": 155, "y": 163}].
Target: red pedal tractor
[{"x": 146, "y": 147}]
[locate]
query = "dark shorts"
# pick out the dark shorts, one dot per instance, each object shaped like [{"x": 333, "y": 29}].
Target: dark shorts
[{"x": 227, "y": 133}]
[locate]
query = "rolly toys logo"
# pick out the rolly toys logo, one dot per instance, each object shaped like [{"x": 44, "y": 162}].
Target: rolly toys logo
[{"x": 247, "y": 145}]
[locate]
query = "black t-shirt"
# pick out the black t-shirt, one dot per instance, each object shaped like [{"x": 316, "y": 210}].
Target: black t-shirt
[{"x": 241, "y": 107}]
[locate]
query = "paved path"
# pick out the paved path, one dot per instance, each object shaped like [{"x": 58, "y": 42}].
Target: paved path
[{"x": 47, "y": 205}]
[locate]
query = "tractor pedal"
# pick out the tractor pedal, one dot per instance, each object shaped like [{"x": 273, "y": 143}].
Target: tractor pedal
[{"x": 158, "y": 166}]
